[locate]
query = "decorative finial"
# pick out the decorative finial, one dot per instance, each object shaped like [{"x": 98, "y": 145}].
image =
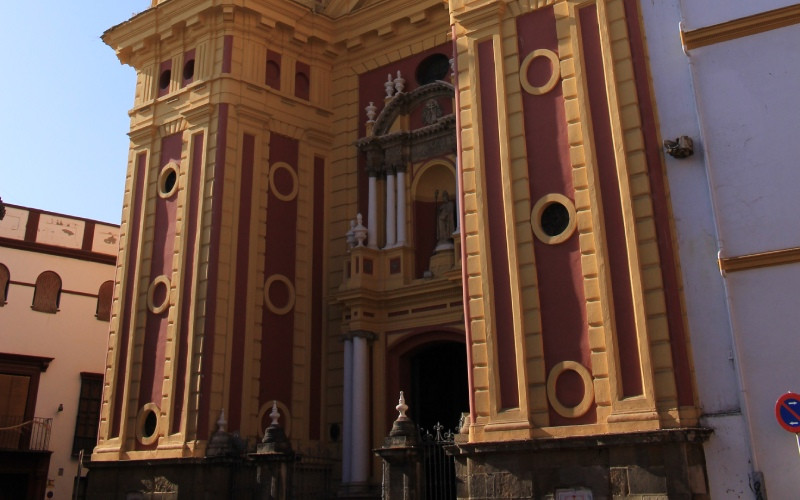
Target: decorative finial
[
  {"x": 221, "y": 422},
  {"x": 350, "y": 235},
  {"x": 399, "y": 82},
  {"x": 402, "y": 407},
  {"x": 274, "y": 414},
  {"x": 389, "y": 86},
  {"x": 371, "y": 112}
]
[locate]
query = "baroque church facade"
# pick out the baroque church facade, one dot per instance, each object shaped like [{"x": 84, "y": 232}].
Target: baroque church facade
[{"x": 330, "y": 202}]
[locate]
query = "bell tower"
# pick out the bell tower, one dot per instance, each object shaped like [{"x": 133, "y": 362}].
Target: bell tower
[{"x": 215, "y": 318}]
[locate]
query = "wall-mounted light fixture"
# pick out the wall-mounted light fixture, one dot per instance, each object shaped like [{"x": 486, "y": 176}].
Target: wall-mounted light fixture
[{"x": 681, "y": 147}]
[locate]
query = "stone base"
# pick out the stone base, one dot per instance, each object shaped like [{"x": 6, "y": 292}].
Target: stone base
[
  {"x": 193, "y": 478},
  {"x": 441, "y": 262},
  {"x": 358, "y": 491},
  {"x": 658, "y": 464}
]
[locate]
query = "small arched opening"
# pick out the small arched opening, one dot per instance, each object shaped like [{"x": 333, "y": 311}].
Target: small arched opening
[
  {"x": 431, "y": 369},
  {"x": 434, "y": 194}
]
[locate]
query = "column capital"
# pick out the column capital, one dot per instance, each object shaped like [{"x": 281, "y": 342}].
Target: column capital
[{"x": 364, "y": 334}]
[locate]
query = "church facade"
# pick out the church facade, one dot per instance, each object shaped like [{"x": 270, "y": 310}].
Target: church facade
[{"x": 330, "y": 202}]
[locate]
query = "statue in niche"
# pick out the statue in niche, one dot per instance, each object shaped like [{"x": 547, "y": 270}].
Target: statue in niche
[
  {"x": 445, "y": 222},
  {"x": 432, "y": 112}
]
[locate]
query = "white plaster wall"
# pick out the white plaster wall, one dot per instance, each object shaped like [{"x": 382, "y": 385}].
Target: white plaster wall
[
  {"x": 702, "y": 13},
  {"x": 738, "y": 100},
  {"x": 766, "y": 314},
  {"x": 713, "y": 354},
  {"x": 749, "y": 107},
  {"x": 73, "y": 337}
]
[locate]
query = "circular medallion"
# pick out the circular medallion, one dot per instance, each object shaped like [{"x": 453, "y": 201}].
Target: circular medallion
[
  {"x": 278, "y": 287},
  {"x": 283, "y": 181},
  {"x": 588, "y": 389},
  {"x": 158, "y": 295},
  {"x": 555, "y": 72}
]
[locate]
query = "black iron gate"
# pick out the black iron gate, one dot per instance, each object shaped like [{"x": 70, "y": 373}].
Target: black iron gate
[
  {"x": 440, "y": 474},
  {"x": 312, "y": 476}
]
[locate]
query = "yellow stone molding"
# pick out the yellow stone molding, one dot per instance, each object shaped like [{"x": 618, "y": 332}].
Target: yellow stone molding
[
  {"x": 141, "y": 419},
  {"x": 536, "y": 216},
  {"x": 555, "y": 74},
  {"x": 292, "y": 193},
  {"x": 476, "y": 16},
  {"x": 759, "y": 260},
  {"x": 587, "y": 198},
  {"x": 355, "y": 30},
  {"x": 169, "y": 173},
  {"x": 742, "y": 27},
  {"x": 151, "y": 291},
  {"x": 290, "y": 302},
  {"x": 621, "y": 91},
  {"x": 587, "y": 399}
]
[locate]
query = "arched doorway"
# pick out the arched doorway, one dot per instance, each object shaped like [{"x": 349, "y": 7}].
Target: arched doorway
[{"x": 437, "y": 384}]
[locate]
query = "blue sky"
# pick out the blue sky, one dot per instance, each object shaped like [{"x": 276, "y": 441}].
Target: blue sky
[{"x": 64, "y": 99}]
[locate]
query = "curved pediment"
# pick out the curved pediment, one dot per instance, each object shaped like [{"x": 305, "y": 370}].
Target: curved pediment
[{"x": 404, "y": 103}]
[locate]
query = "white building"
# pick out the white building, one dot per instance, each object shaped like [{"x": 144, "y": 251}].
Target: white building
[
  {"x": 56, "y": 280},
  {"x": 726, "y": 75}
]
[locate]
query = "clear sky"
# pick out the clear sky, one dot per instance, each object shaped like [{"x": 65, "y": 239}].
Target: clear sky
[{"x": 64, "y": 99}]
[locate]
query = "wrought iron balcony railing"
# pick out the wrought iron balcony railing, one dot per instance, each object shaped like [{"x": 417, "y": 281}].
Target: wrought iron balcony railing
[{"x": 25, "y": 435}]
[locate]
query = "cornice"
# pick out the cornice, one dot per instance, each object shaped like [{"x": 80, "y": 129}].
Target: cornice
[
  {"x": 419, "y": 291},
  {"x": 761, "y": 259},
  {"x": 476, "y": 15},
  {"x": 353, "y": 27},
  {"x": 742, "y": 27},
  {"x": 162, "y": 22},
  {"x": 72, "y": 253}
]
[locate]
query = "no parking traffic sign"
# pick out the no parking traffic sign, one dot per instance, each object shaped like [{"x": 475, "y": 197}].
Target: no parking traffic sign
[{"x": 787, "y": 411}]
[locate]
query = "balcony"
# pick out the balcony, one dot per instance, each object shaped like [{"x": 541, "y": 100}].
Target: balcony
[{"x": 24, "y": 435}]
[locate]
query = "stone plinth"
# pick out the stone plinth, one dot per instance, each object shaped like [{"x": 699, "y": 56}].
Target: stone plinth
[
  {"x": 656, "y": 464},
  {"x": 403, "y": 477}
]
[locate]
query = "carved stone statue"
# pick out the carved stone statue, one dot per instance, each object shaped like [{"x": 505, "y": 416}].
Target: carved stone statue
[
  {"x": 431, "y": 112},
  {"x": 445, "y": 223},
  {"x": 360, "y": 231}
]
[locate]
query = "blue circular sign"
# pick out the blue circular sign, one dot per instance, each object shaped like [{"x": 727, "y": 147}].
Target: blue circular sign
[{"x": 787, "y": 411}]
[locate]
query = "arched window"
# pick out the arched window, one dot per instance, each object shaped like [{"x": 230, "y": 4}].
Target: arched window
[
  {"x": 274, "y": 70},
  {"x": 47, "y": 294},
  {"x": 5, "y": 277},
  {"x": 104, "y": 295},
  {"x": 274, "y": 73},
  {"x": 302, "y": 81}
]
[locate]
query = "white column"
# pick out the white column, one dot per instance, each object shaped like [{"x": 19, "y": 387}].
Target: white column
[
  {"x": 347, "y": 413},
  {"x": 360, "y": 419},
  {"x": 401, "y": 208},
  {"x": 391, "y": 233},
  {"x": 372, "y": 213}
]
